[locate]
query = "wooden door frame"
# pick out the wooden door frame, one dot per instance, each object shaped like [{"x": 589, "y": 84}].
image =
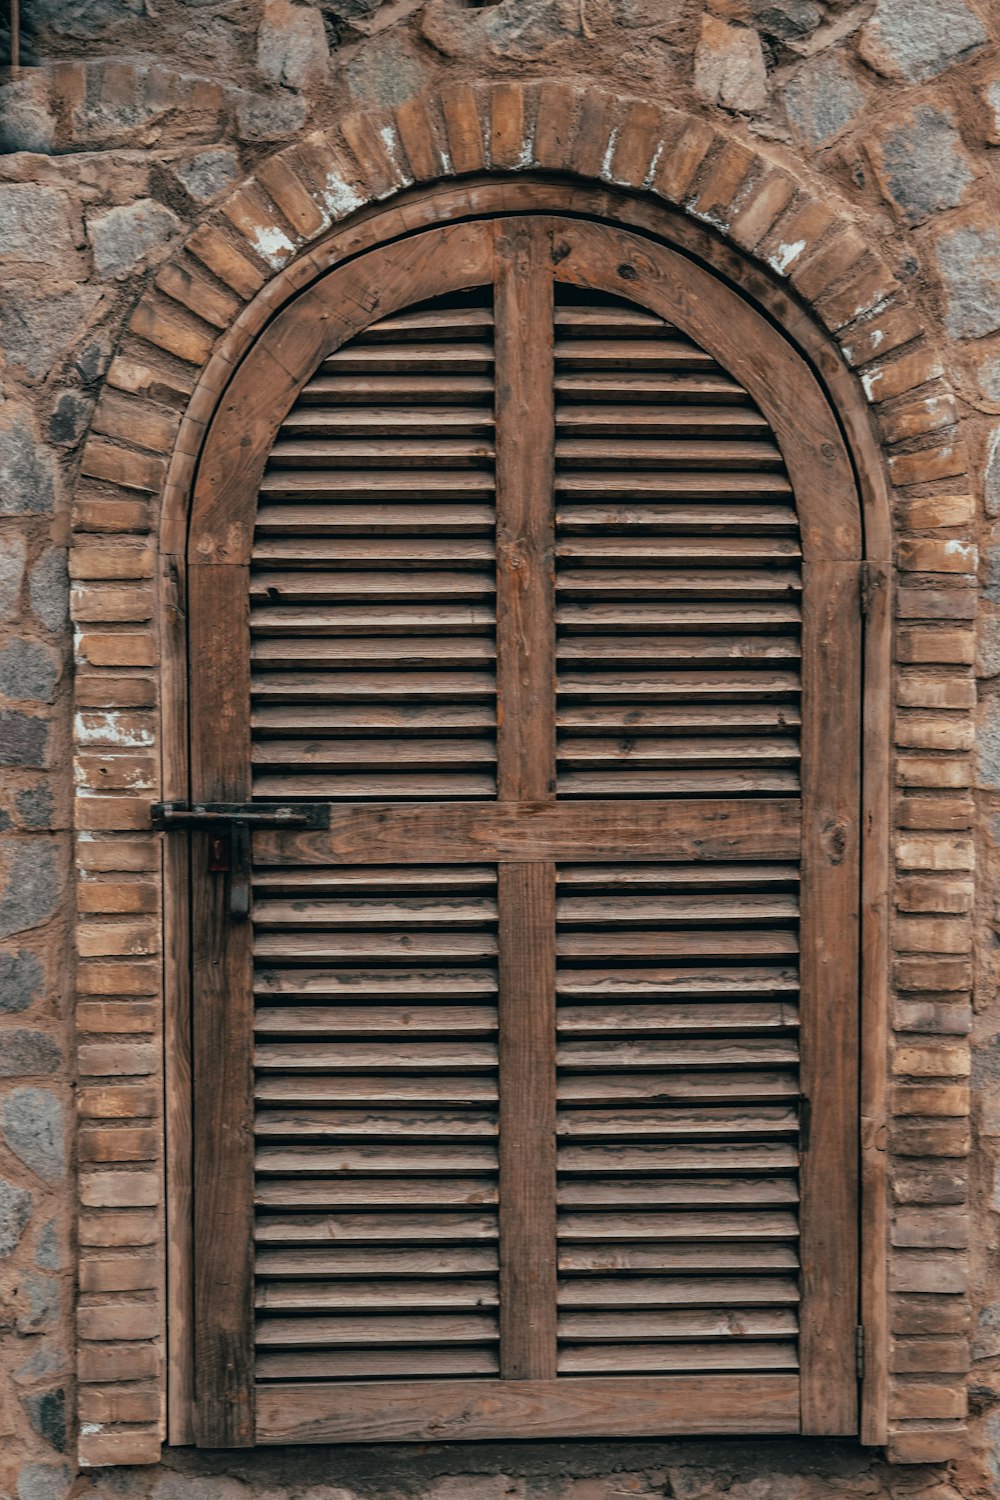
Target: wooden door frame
[{"x": 496, "y": 197}]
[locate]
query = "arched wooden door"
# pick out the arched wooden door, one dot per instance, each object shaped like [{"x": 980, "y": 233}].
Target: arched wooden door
[{"x": 524, "y": 567}]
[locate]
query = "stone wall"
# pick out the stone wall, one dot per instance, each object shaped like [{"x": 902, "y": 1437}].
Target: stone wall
[{"x": 134, "y": 119}]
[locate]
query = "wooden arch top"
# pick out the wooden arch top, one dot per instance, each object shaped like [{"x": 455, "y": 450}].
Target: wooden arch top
[{"x": 600, "y": 256}]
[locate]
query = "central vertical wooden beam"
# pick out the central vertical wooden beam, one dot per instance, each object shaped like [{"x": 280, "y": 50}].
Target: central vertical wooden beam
[
  {"x": 525, "y": 437},
  {"x": 526, "y": 770}
]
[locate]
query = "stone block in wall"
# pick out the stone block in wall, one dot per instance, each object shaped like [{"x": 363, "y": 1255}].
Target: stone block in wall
[
  {"x": 968, "y": 264},
  {"x": 918, "y": 39},
  {"x": 823, "y": 98},
  {"x": 921, "y": 163},
  {"x": 729, "y": 66}
]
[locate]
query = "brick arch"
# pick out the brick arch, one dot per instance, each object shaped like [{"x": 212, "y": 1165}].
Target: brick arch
[{"x": 800, "y": 256}]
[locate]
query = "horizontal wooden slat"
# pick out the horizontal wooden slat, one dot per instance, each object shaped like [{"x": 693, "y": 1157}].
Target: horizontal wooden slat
[
  {"x": 317, "y": 1021},
  {"x": 374, "y": 1294},
  {"x": 670, "y": 1192},
  {"x": 665, "y": 1124},
  {"x": 642, "y": 1019},
  {"x": 408, "y": 1411},
  {"x": 356, "y": 521},
  {"x": 752, "y": 1225},
  {"x": 414, "y": 983},
  {"x": 629, "y": 1268},
  {"x": 371, "y": 1123},
  {"x": 577, "y": 1360},
  {"x": 716, "y": 1156},
  {"x": 330, "y": 1332},
  {"x": 677, "y": 1052},
  {"x": 373, "y": 1261},
  {"x": 416, "y": 1192},
  {"x": 328, "y": 1230},
  {"x": 347, "y": 1057},
  {"x": 318, "y": 1088},
  {"x": 360, "y": 1364}
]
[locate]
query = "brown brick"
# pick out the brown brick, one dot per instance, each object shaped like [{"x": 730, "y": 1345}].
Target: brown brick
[
  {"x": 97, "y": 1362},
  {"x": 116, "y": 896},
  {"x": 124, "y": 1059},
  {"x": 595, "y": 129},
  {"x": 171, "y": 387},
  {"x": 131, "y": 1445},
  {"x": 328, "y": 174},
  {"x": 812, "y": 274},
  {"x": 938, "y": 1061},
  {"x": 928, "y": 771},
  {"x": 167, "y": 326},
  {"x": 291, "y": 197},
  {"x": 119, "y": 1190},
  {"x": 254, "y": 218},
  {"x": 918, "y": 417},
  {"x": 949, "y": 1017},
  {"x": 926, "y": 1446},
  {"x": 929, "y": 1229},
  {"x": 942, "y": 462},
  {"x": 912, "y": 1185},
  {"x": 107, "y": 855},
  {"x": 935, "y": 1099},
  {"x": 208, "y": 302},
  {"x": 872, "y": 284},
  {"x": 907, "y": 373},
  {"x": 126, "y": 467},
  {"x": 128, "y": 1321},
  {"x": 942, "y": 1272},
  {"x": 678, "y": 164},
  {"x": 114, "y": 560},
  {"x": 507, "y": 126},
  {"x": 119, "y": 1273},
  {"x": 934, "y": 732},
  {"x": 106, "y": 939},
  {"x": 94, "y": 813},
  {"x": 922, "y": 690},
  {"x": 723, "y": 182},
  {"x": 949, "y": 647},
  {"x": 117, "y": 1016},
  {"x": 796, "y": 235},
  {"x": 933, "y": 973},
  {"x": 951, "y": 556},
  {"x": 930, "y": 1138},
  {"x": 943, "y": 814},
  {"x": 926, "y": 1313},
  {"x": 919, "y": 894},
  {"x": 640, "y": 134},
  {"x": 912, "y": 1399},
  {"x": 460, "y": 108},
  {"x": 100, "y": 604},
  {"x": 109, "y": 771},
  {"x": 934, "y": 1355},
  {"x": 117, "y": 1229},
  {"x": 126, "y": 1143},
  {"x": 102, "y": 690},
  {"x": 119, "y": 1101},
  {"x": 880, "y": 335},
  {"x": 765, "y": 201},
  {"x": 109, "y": 515},
  {"x": 218, "y": 253},
  {"x": 115, "y": 1404},
  {"x": 140, "y": 422},
  {"x": 362, "y": 135},
  {"x": 930, "y": 511}
]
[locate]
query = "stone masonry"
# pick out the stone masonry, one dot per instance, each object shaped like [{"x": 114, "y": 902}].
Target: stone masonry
[{"x": 170, "y": 169}]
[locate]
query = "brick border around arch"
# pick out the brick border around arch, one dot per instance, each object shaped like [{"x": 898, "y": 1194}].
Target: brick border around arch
[{"x": 306, "y": 207}]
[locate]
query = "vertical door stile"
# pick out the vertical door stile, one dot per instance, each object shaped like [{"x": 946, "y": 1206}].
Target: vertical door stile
[
  {"x": 222, "y": 1014},
  {"x": 526, "y": 773}
]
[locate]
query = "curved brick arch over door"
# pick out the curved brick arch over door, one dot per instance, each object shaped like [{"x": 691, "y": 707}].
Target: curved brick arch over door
[
  {"x": 629, "y": 161},
  {"x": 662, "y": 895}
]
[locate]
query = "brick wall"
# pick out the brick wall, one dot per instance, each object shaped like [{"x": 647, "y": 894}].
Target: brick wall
[{"x": 151, "y": 215}]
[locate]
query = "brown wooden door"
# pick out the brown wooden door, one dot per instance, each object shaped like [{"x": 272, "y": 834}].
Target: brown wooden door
[{"x": 526, "y": 1102}]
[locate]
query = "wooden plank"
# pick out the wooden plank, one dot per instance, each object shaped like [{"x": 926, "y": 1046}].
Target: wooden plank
[
  {"x": 526, "y": 896},
  {"x": 223, "y": 1022},
  {"x": 525, "y": 524},
  {"x": 695, "y": 829},
  {"x": 648, "y": 1406},
  {"x": 829, "y": 1003}
]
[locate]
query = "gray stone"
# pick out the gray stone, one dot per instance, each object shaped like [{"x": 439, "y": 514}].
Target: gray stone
[
  {"x": 36, "y": 223},
  {"x": 28, "y": 670},
  {"x": 823, "y": 98},
  {"x": 989, "y": 378},
  {"x": 30, "y": 895},
  {"x": 988, "y": 646},
  {"x": 917, "y": 39},
  {"x": 48, "y": 1254},
  {"x": 968, "y": 260},
  {"x": 34, "y": 1126},
  {"x": 70, "y": 418},
  {"x": 923, "y": 165},
  {"x": 47, "y": 1415},
  {"x": 27, "y": 479},
  {"x": 509, "y": 29},
  {"x": 26, "y": 121},
  {"x": 988, "y": 743},
  {"x": 13, "y": 554},
  {"x": 268, "y": 117},
  {"x": 85, "y": 20},
  {"x": 991, "y": 98},
  {"x": 25, "y": 1053},
  {"x": 21, "y": 981},
  {"x": 48, "y": 587},
  {"x": 35, "y": 806},
  {"x": 46, "y": 1361},
  {"x": 39, "y": 1298},
  {"x": 205, "y": 176},
  {"x": 126, "y": 236},
  {"x": 388, "y": 73},
  {"x": 986, "y": 1341},
  {"x": 991, "y": 489},
  {"x": 291, "y": 44},
  {"x": 24, "y": 739},
  {"x": 39, "y": 324},
  {"x": 15, "y": 1211},
  {"x": 786, "y": 20},
  {"x": 43, "y": 1482},
  {"x": 729, "y": 66}
]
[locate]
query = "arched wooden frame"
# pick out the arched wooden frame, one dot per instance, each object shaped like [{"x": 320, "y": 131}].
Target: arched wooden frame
[{"x": 640, "y": 268}]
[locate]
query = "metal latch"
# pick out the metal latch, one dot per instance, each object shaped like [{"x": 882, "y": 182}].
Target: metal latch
[{"x": 231, "y": 824}]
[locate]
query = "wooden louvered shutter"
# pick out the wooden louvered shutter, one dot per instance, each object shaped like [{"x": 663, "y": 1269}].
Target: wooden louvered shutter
[{"x": 553, "y": 612}]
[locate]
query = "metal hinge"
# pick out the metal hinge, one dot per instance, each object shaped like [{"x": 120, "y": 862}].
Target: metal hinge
[
  {"x": 859, "y": 1351},
  {"x": 229, "y": 825}
]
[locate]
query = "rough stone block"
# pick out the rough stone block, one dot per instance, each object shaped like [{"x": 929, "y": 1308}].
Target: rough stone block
[
  {"x": 21, "y": 981},
  {"x": 921, "y": 163},
  {"x": 822, "y": 98},
  {"x": 125, "y": 237},
  {"x": 27, "y": 475},
  {"x": 291, "y": 45},
  {"x": 208, "y": 174},
  {"x": 28, "y": 671},
  {"x": 40, "y": 323},
  {"x": 968, "y": 262},
  {"x": 36, "y": 223},
  {"x": 33, "y": 1124},
  {"x": 26, "y": 119},
  {"x": 48, "y": 588},
  {"x": 729, "y": 67},
  {"x": 917, "y": 39}
]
